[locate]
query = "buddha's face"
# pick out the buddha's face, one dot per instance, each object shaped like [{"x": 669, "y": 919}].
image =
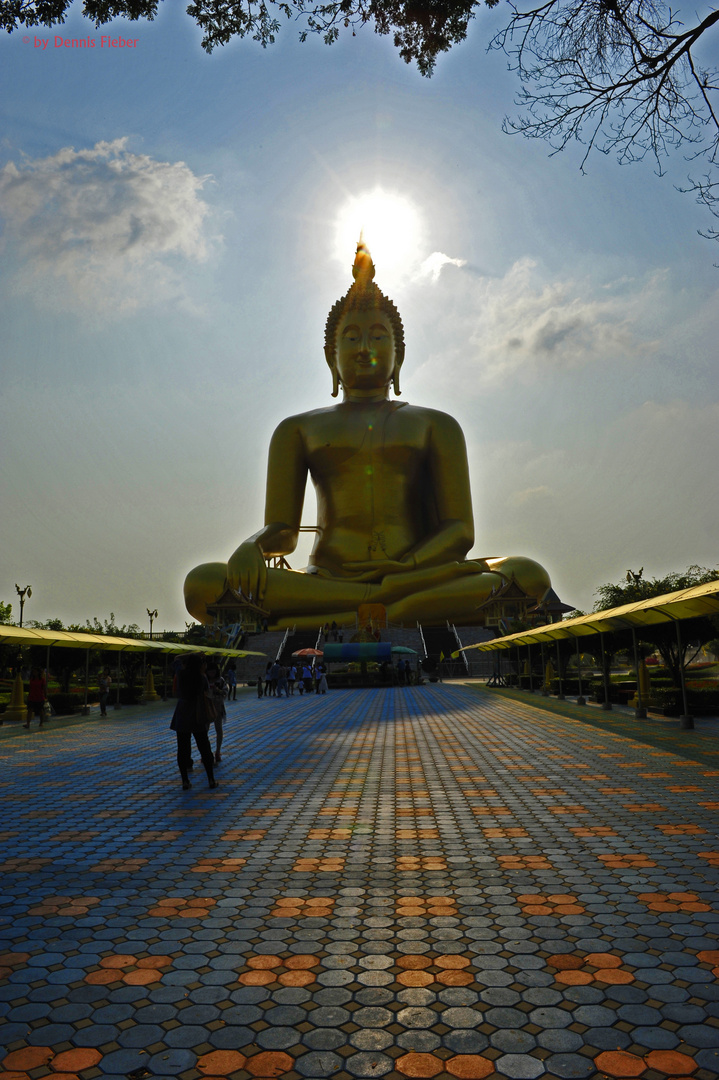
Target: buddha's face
[{"x": 365, "y": 352}]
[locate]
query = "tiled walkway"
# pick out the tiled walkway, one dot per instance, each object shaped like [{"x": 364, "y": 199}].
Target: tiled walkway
[{"x": 420, "y": 882}]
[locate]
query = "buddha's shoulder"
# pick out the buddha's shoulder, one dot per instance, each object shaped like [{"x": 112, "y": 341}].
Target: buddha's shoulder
[
  {"x": 306, "y": 421},
  {"x": 403, "y": 414}
]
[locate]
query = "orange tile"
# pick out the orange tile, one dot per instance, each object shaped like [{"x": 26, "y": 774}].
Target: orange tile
[
  {"x": 155, "y": 962},
  {"x": 415, "y": 978},
  {"x": 269, "y": 1063},
  {"x": 297, "y": 978},
  {"x": 469, "y": 1066},
  {"x": 418, "y": 1065},
  {"x": 709, "y": 956},
  {"x": 671, "y": 1061},
  {"x": 75, "y": 1060},
  {"x": 13, "y": 959},
  {"x": 414, "y": 962},
  {"x": 603, "y": 960},
  {"x": 301, "y": 961},
  {"x": 619, "y": 1063},
  {"x": 613, "y": 976},
  {"x": 102, "y": 977},
  {"x": 451, "y": 961},
  {"x": 257, "y": 978},
  {"x": 264, "y": 962},
  {"x": 573, "y": 978},
  {"x": 142, "y": 977},
  {"x": 30, "y": 1057},
  {"x": 221, "y": 1062},
  {"x": 455, "y": 978},
  {"x": 119, "y": 960},
  {"x": 564, "y": 961}
]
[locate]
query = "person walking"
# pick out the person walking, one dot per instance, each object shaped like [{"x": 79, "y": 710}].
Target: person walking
[
  {"x": 282, "y": 681},
  {"x": 36, "y": 698},
  {"x": 104, "y": 682},
  {"x": 231, "y": 679},
  {"x": 191, "y": 719},
  {"x": 307, "y": 678},
  {"x": 274, "y": 678},
  {"x": 322, "y": 681},
  {"x": 259, "y": 686},
  {"x": 218, "y": 689},
  {"x": 292, "y": 678}
]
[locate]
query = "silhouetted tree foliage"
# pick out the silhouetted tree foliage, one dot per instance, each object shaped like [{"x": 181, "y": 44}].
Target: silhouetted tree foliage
[
  {"x": 697, "y": 632},
  {"x": 621, "y": 76},
  {"x": 421, "y": 29}
]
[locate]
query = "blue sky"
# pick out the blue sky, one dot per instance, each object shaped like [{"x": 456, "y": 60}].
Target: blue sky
[{"x": 171, "y": 227}]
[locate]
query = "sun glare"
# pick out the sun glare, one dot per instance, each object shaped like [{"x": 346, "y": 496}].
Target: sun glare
[{"x": 391, "y": 227}]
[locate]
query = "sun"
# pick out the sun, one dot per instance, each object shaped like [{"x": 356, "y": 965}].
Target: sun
[{"x": 390, "y": 225}]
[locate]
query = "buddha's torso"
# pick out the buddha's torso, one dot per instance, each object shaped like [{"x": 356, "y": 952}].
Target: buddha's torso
[{"x": 368, "y": 463}]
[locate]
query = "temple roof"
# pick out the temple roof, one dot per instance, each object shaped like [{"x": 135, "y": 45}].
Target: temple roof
[
  {"x": 550, "y": 604},
  {"x": 509, "y": 590}
]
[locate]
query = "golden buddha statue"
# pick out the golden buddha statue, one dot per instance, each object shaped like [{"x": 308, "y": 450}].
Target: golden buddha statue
[{"x": 394, "y": 511}]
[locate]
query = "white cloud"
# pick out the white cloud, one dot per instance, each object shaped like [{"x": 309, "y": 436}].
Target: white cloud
[
  {"x": 526, "y": 324},
  {"x": 432, "y": 266},
  {"x": 103, "y": 228}
]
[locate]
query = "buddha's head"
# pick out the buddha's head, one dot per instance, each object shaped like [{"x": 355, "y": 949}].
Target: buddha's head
[{"x": 364, "y": 336}]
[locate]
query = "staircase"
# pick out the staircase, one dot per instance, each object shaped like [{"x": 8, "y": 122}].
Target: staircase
[
  {"x": 250, "y": 667},
  {"x": 299, "y": 639},
  {"x": 440, "y": 641}
]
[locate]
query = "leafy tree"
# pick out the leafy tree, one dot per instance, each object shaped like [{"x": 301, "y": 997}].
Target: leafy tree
[
  {"x": 619, "y": 76},
  {"x": 109, "y": 626},
  {"x": 5, "y": 614},
  {"x": 422, "y": 29},
  {"x": 636, "y": 587}
]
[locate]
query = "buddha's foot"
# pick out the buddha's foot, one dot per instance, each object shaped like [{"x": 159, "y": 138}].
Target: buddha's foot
[{"x": 398, "y": 586}]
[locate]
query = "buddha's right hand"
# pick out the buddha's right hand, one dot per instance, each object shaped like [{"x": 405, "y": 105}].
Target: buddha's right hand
[{"x": 247, "y": 570}]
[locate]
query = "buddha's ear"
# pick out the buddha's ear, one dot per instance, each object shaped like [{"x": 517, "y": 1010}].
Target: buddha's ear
[
  {"x": 332, "y": 364},
  {"x": 395, "y": 375}
]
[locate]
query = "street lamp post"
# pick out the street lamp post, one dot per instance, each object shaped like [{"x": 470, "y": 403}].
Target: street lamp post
[
  {"x": 153, "y": 616},
  {"x": 22, "y": 593}
]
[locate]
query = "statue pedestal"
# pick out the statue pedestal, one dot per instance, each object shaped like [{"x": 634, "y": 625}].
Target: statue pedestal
[{"x": 17, "y": 709}]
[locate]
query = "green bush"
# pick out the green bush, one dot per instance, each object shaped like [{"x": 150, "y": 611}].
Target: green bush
[{"x": 700, "y": 702}]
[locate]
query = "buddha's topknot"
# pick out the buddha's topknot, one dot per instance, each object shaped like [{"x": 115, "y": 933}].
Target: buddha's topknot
[{"x": 361, "y": 295}]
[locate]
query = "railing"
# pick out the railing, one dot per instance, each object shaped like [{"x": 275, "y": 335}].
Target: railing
[
  {"x": 424, "y": 644},
  {"x": 282, "y": 645},
  {"x": 453, "y": 629}
]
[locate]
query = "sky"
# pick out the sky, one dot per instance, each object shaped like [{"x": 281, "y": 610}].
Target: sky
[{"x": 174, "y": 229}]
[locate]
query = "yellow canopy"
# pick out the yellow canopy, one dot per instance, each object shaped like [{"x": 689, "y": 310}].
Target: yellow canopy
[
  {"x": 689, "y": 603},
  {"x": 71, "y": 639}
]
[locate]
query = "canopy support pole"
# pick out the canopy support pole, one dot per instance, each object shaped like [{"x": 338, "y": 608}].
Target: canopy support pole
[
  {"x": 531, "y": 680},
  {"x": 545, "y": 692},
  {"x": 606, "y": 704},
  {"x": 560, "y": 695},
  {"x": 164, "y": 681},
  {"x": 144, "y": 664},
  {"x": 86, "y": 708},
  {"x": 581, "y": 700},
  {"x": 119, "y": 673},
  {"x": 640, "y": 713},
  {"x": 685, "y": 720}
]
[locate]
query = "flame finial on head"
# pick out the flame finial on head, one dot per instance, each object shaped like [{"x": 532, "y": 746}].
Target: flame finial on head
[
  {"x": 363, "y": 294},
  {"x": 363, "y": 268}
]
